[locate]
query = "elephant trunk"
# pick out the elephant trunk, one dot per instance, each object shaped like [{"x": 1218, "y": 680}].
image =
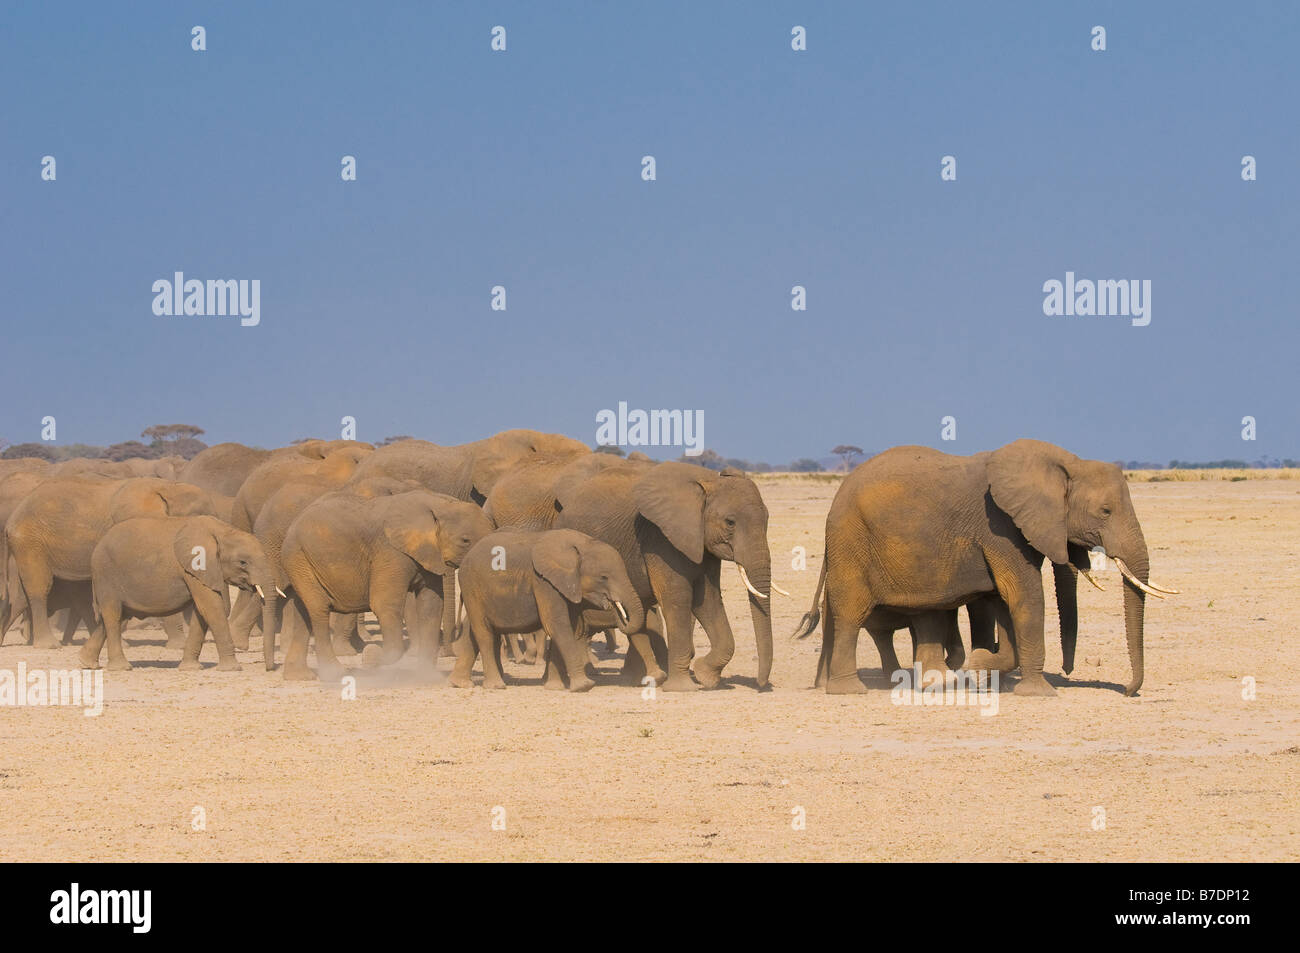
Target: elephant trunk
[
  {"x": 626, "y": 596},
  {"x": 448, "y": 622},
  {"x": 1067, "y": 606},
  {"x": 758, "y": 568},
  {"x": 269, "y": 604},
  {"x": 1133, "y": 551}
]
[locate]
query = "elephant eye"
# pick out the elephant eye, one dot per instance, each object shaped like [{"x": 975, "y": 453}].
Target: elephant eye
[
  {"x": 1105, "y": 511},
  {"x": 730, "y": 521}
]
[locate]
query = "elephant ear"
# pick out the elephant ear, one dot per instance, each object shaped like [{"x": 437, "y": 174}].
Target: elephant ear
[
  {"x": 671, "y": 496},
  {"x": 557, "y": 559},
  {"x": 1029, "y": 480},
  {"x": 199, "y": 555},
  {"x": 418, "y": 538}
]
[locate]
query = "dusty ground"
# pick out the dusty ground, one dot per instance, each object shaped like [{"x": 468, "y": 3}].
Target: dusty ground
[{"x": 1189, "y": 770}]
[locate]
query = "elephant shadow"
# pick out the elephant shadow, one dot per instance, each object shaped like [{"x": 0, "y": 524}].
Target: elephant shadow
[{"x": 1064, "y": 681}]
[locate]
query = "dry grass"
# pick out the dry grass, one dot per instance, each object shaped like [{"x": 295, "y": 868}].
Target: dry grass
[{"x": 1191, "y": 476}]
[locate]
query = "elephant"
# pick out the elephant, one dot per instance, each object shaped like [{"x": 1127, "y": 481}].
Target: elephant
[
  {"x": 467, "y": 471},
  {"x": 673, "y": 524},
  {"x": 524, "y": 498},
  {"x": 52, "y": 533},
  {"x": 22, "y": 465},
  {"x": 916, "y": 530},
  {"x": 330, "y": 471},
  {"x": 983, "y": 613},
  {"x": 273, "y": 523},
  {"x": 223, "y": 468},
  {"x": 162, "y": 565},
  {"x": 522, "y": 581},
  {"x": 347, "y": 554}
]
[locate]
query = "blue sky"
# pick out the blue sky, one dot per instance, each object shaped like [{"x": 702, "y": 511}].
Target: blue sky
[{"x": 775, "y": 168}]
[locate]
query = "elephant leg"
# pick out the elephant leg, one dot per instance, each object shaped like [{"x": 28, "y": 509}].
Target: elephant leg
[
  {"x": 295, "y": 638},
  {"x": 983, "y": 615},
  {"x": 884, "y": 639},
  {"x": 194, "y": 639},
  {"x": 674, "y": 598},
  {"x": 244, "y": 617},
  {"x": 110, "y": 613},
  {"x": 424, "y": 626},
  {"x": 37, "y": 581},
  {"x": 489, "y": 648},
  {"x": 954, "y": 651},
  {"x": 556, "y": 671},
  {"x": 344, "y": 638},
  {"x": 389, "y": 613},
  {"x": 534, "y": 644},
  {"x": 328, "y": 667},
  {"x": 1067, "y": 607},
  {"x": 210, "y": 609},
  {"x": 931, "y": 630},
  {"x": 1023, "y": 595},
  {"x": 840, "y": 630},
  {"x": 706, "y": 605},
  {"x": 466, "y": 652},
  {"x": 112, "y": 617},
  {"x": 174, "y": 626}
]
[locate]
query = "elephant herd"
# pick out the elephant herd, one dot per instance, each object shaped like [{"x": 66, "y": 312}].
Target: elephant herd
[{"x": 531, "y": 539}]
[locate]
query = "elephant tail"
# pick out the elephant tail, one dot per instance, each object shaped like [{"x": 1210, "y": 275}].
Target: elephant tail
[{"x": 813, "y": 615}]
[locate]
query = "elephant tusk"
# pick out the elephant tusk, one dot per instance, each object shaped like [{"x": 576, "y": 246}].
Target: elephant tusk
[
  {"x": 779, "y": 590},
  {"x": 1128, "y": 574},
  {"x": 260, "y": 594},
  {"x": 622, "y": 613},
  {"x": 744, "y": 577},
  {"x": 281, "y": 592},
  {"x": 1092, "y": 579}
]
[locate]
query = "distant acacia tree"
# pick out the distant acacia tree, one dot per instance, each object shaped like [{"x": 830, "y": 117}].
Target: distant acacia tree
[
  {"x": 847, "y": 452},
  {"x": 805, "y": 465},
  {"x": 613, "y": 448},
  {"x": 21, "y": 451},
  {"x": 164, "y": 433},
  {"x": 133, "y": 448}
]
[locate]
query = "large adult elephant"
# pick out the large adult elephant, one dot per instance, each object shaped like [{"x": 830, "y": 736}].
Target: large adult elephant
[
  {"x": 673, "y": 524},
  {"x": 917, "y": 531},
  {"x": 467, "y": 471},
  {"x": 52, "y": 533}
]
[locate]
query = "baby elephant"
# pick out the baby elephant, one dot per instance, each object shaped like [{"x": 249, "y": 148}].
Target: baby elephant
[
  {"x": 159, "y": 565},
  {"x": 521, "y": 581}
]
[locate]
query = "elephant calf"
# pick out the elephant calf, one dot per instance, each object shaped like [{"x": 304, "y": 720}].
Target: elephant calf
[
  {"x": 160, "y": 565},
  {"x": 347, "y": 554},
  {"x": 522, "y": 581}
]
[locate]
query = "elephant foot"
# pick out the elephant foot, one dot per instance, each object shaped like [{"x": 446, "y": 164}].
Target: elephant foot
[
  {"x": 659, "y": 675},
  {"x": 86, "y": 661},
  {"x": 118, "y": 665},
  {"x": 239, "y": 641},
  {"x": 530, "y": 657},
  {"x": 328, "y": 672},
  {"x": 583, "y": 684},
  {"x": 1035, "y": 687},
  {"x": 298, "y": 673},
  {"x": 845, "y": 685},
  {"x": 496, "y": 686},
  {"x": 391, "y": 656},
  {"x": 553, "y": 684},
  {"x": 955, "y": 659},
  {"x": 680, "y": 683},
  {"x": 190, "y": 665},
  {"x": 229, "y": 665},
  {"x": 708, "y": 673},
  {"x": 344, "y": 646},
  {"x": 982, "y": 660},
  {"x": 178, "y": 645},
  {"x": 458, "y": 680},
  {"x": 50, "y": 643}
]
